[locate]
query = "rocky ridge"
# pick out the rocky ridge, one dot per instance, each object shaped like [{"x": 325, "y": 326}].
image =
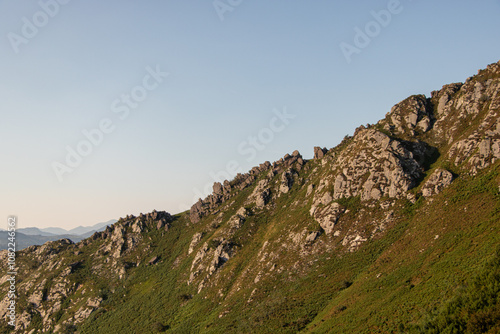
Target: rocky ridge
[
  {"x": 383, "y": 162},
  {"x": 332, "y": 204},
  {"x": 47, "y": 297}
]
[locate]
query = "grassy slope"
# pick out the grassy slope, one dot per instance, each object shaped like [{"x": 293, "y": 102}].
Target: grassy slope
[
  {"x": 391, "y": 285},
  {"x": 438, "y": 251},
  {"x": 388, "y": 286}
]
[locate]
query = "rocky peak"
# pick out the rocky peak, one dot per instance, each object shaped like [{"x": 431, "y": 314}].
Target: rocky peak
[
  {"x": 410, "y": 116},
  {"x": 442, "y": 97},
  {"x": 319, "y": 152},
  {"x": 375, "y": 165}
]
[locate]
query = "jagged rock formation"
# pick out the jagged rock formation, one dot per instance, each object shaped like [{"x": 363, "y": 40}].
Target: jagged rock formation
[
  {"x": 437, "y": 182},
  {"x": 266, "y": 234},
  {"x": 47, "y": 296},
  {"x": 319, "y": 152},
  {"x": 411, "y": 116},
  {"x": 374, "y": 165},
  {"x": 224, "y": 192}
]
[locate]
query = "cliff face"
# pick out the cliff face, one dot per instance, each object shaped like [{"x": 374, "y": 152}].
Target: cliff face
[{"x": 396, "y": 212}]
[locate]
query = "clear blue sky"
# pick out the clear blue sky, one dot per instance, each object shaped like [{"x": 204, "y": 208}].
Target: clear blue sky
[{"x": 69, "y": 67}]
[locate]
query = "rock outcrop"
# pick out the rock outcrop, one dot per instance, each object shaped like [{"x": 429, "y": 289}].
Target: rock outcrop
[
  {"x": 375, "y": 165},
  {"x": 222, "y": 193},
  {"x": 327, "y": 216},
  {"x": 439, "y": 180},
  {"x": 261, "y": 194},
  {"x": 276, "y": 224},
  {"x": 319, "y": 152},
  {"x": 410, "y": 116},
  {"x": 47, "y": 297}
]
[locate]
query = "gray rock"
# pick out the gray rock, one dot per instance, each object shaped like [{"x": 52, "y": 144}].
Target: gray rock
[
  {"x": 443, "y": 97},
  {"x": 221, "y": 256},
  {"x": 194, "y": 242},
  {"x": 485, "y": 147},
  {"x": 439, "y": 180},
  {"x": 374, "y": 165},
  {"x": 310, "y": 190},
  {"x": 196, "y": 212},
  {"x": 319, "y": 152},
  {"x": 411, "y": 114},
  {"x": 218, "y": 189},
  {"x": 287, "y": 179},
  {"x": 137, "y": 227},
  {"x": 199, "y": 256},
  {"x": 263, "y": 198},
  {"x": 236, "y": 221},
  {"x": 261, "y": 194},
  {"x": 312, "y": 237},
  {"x": 326, "y": 199},
  {"x": 327, "y": 216},
  {"x": 353, "y": 241}
]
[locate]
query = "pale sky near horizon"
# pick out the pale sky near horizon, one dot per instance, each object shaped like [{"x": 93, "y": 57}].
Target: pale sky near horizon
[{"x": 248, "y": 81}]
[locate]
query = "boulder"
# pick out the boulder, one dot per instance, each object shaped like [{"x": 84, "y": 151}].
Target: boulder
[
  {"x": 312, "y": 237},
  {"x": 439, "y": 180},
  {"x": 218, "y": 189},
  {"x": 196, "y": 212},
  {"x": 413, "y": 113},
  {"x": 310, "y": 190},
  {"x": 319, "y": 152},
  {"x": 263, "y": 198},
  {"x": 194, "y": 242},
  {"x": 327, "y": 216},
  {"x": 286, "y": 181}
]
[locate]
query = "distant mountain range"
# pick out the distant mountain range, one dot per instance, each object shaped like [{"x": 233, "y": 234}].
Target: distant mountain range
[{"x": 30, "y": 236}]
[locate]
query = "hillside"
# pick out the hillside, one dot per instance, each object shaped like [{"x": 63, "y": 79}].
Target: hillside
[{"x": 394, "y": 230}]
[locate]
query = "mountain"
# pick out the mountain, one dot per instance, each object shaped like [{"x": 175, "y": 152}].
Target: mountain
[
  {"x": 31, "y": 236},
  {"x": 394, "y": 230},
  {"x": 26, "y": 240},
  {"x": 54, "y": 230},
  {"x": 35, "y": 231},
  {"x": 80, "y": 230}
]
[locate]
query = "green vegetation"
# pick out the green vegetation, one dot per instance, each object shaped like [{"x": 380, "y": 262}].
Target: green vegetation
[
  {"x": 473, "y": 309},
  {"x": 397, "y": 265},
  {"x": 415, "y": 278},
  {"x": 352, "y": 203}
]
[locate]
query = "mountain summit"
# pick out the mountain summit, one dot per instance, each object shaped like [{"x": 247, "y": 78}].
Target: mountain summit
[{"x": 394, "y": 230}]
